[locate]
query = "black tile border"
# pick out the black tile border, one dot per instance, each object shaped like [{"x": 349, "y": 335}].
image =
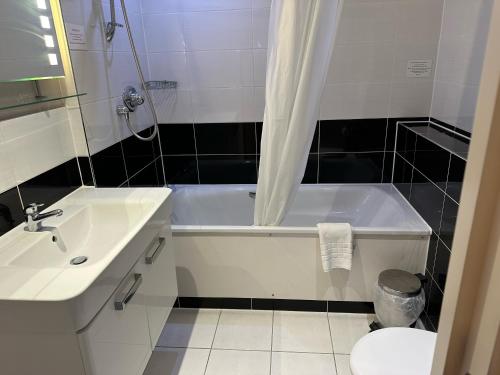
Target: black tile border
[
  {"x": 442, "y": 235},
  {"x": 451, "y": 127},
  {"x": 275, "y": 304},
  {"x": 441, "y": 136},
  {"x": 355, "y": 130},
  {"x": 85, "y": 170},
  {"x": 52, "y": 185},
  {"x": 47, "y": 188},
  {"x": 11, "y": 210},
  {"x": 214, "y": 303}
]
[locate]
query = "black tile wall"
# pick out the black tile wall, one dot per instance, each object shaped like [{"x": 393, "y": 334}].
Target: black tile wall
[
  {"x": 227, "y": 169},
  {"x": 177, "y": 139},
  {"x": 85, "y": 170},
  {"x": 148, "y": 176},
  {"x": 455, "y": 177},
  {"x": 429, "y": 165},
  {"x": 46, "y": 188},
  {"x": 352, "y": 135},
  {"x": 50, "y": 186},
  {"x": 11, "y": 210},
  {"x": 351, "y": 167},
  {"x": 138, "y": 154},
  {"x": 130, "y": 162},
  {"x": 403, "y": 173},
  {"x": 181, "y": 169},
  {"x": 342, "y": 151},
  {"x": 432, "y": 161},
  {"x": 447, "y": 229},
  {"x": 227, "y": 138},
  {"x": 109, "y": 166}
]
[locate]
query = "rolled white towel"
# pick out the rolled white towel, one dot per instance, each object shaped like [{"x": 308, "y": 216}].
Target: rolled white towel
[{"x": 336, "y": 245}]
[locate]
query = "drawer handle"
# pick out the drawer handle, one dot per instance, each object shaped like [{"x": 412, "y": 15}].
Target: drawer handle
[
  {"x": 125, "y": 295},
  {"x": 155, "y": 250}
]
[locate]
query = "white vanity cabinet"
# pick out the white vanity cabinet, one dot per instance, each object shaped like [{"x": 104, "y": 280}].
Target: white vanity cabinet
[
  {"x": 120, "y": 339},
  {"x": 159, "y": 288},
  {"x": 117, "y": 341},
  {"x": 99, "y": 317}
]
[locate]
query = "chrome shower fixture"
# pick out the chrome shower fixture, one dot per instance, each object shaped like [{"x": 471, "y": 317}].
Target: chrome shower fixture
[
  {"x": 112, "y": 25},
  {"x": 131, "y": 98},
  {"x": 161, "y": 85}
]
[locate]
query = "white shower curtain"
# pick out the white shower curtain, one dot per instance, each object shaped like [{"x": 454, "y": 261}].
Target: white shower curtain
[{"x": 301, "y": 38}]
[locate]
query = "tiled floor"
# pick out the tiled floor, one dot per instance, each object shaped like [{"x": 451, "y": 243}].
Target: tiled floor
[{"x": 250, "y": 342}]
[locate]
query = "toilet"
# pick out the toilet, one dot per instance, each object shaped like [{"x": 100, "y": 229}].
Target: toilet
[{"x": 394, "y": 351}]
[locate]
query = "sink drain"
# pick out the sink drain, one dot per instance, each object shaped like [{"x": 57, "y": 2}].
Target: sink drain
[{"x": 78, "y": 260}]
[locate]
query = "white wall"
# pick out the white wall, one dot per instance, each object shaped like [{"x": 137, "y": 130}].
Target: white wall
[
  {"x": 216, "y": 50},
  {"x": 103, "y": 70},
  {"x": 33, "y": 144},
  {"x": 460, "y": 60}
]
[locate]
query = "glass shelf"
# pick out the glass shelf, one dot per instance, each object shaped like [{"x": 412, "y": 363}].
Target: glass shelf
[{"x": 38, "y": 100}]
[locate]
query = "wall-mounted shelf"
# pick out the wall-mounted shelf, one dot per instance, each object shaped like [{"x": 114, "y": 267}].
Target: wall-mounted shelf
[{"x": 37, "y": 100}]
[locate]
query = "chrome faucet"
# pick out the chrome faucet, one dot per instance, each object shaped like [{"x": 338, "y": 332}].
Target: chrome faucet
[{"x": 34, "y": 218}]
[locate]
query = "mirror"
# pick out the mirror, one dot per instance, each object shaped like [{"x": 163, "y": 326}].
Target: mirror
[{"x": 28, "y": 42}]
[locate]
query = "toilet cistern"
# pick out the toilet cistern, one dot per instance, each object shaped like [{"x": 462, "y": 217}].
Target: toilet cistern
[{"x": 34, "y": 218}]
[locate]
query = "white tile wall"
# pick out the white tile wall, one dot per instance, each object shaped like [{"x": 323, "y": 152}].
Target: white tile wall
[
  {"x": 33, "y": 144},
  {"x": 460, "y": 59},
  {"x": 103, "y": 70},
  {"x": 216, "y": 50}
]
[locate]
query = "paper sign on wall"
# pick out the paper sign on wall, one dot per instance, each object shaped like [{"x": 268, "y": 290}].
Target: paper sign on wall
[
  {"x": 76, "y": 36},
  {"x": 419, "y": 68}
]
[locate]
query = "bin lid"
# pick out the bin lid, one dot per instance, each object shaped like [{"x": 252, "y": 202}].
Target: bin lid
[{"x": 399, "y": 282}]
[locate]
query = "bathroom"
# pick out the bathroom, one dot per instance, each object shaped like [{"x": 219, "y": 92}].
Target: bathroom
[{"x": 249, "y": 187}]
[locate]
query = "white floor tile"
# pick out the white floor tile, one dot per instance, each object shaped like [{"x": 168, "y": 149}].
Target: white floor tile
[
  {"x": 234, "y": 362},
  {"x": 347, "y": 329},
  {"x": 342, "y": 363},
  {"x": 244, "y": 330},
  {"x": 302, "y": 364},
  {"x": 301, "y": 332},
  {"x": 177, "y": 361},
  {"x": 189, "y": 328}
]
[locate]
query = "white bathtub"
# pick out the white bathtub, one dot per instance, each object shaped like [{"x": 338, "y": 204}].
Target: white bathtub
[{"x": 220, "y": 254}]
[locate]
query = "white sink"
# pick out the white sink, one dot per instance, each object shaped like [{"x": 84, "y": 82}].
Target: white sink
[
  {"x": 89, "y": 231},
  {"x": 110, "y": 227}
]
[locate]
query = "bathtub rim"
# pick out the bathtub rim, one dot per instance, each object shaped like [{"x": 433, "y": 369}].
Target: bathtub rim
[
  {"x": 177, "y": 229},
  {"x": 305, "y": 231}
]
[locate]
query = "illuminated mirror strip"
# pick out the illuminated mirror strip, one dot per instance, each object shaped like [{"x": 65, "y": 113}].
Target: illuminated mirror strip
[
  {"x": 49, "y": 41},
  {"x": 41, "y": 4},
  {"x": 53, "y": 59},
  {"x": 45, "y": 22}
]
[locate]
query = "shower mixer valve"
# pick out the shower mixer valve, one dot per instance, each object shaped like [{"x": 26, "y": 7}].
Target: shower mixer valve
[{"x": 132, "y": 99}]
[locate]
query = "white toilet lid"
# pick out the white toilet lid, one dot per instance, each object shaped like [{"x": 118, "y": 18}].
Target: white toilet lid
[{"x": 394, "y": 351}]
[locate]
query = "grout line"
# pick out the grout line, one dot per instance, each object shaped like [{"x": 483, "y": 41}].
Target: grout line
[
  {"x": 435, "y": 142},
  {"x": 302, "y": 352},
  {"x": 242, "y": 350},
  {"x": 124, "y": 162},
  {"x": 213, "y": 340},
  {"x": 441, "y": 220},
  {"x": 331, "y": 340},
  {"x": 20, "y": 197},
  {"x": 394, "y": 154},
  {"x": 385, "y": 150},
  {"x": 415, "y": 168},
  {"x": 450, "y": 130},
  {"x": 161, "y": 158},
  {"x": 196, "y": 151},
  {"x": 272, "y": 337},
  {"x": 143, "y": 168}
]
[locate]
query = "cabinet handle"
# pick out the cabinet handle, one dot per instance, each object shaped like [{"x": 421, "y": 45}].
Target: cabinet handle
[
  {"x": 155, "y": 250},
  {"x": 125, "y": 295}
]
